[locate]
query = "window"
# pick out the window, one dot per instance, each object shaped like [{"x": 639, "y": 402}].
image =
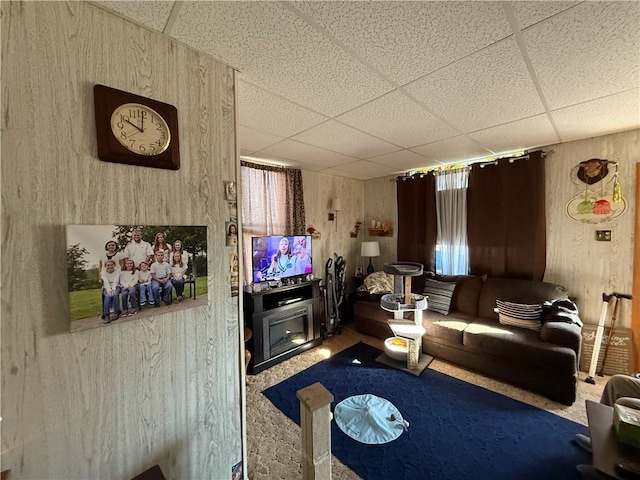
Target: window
[
  {"x": 452, "y": 250},
  {"x": 272, "y": 204}
]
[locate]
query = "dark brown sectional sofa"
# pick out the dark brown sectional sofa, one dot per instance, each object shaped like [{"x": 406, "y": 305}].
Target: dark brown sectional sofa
[{"x": 470, "y": 335}]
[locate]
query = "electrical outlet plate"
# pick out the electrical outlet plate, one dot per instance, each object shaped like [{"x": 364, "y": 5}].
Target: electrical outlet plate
[
  {"x": 331, "y": 217},
  {"x": 603, "y": 235}
]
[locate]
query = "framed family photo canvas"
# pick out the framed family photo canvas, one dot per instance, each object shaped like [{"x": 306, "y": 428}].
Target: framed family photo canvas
[{"x": 117, "y": 273}]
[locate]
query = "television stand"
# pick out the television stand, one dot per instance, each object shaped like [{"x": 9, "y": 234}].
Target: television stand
[{"x": 285, "y": 321}]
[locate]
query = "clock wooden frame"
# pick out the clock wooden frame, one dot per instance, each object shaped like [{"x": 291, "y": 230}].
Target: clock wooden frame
[{"x": 106, "y": 100}]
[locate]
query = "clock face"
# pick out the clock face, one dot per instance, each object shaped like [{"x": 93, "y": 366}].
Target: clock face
[{"x": 140, "y": 129}]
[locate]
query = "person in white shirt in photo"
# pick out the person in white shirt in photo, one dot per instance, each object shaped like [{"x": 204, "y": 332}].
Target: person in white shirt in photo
[
  {"x": 138, "y": 250},
  {"x": 178, "y": 247},
  {"x": 161, "y": 280},
  {"x": 110, "y": 292},
  {"x": 129, "y": 288},
  {"x": 160, "y": 245},
  {"x": 110, "y": 253},
  {"x": 178, "y": 271},
  {"x": 144, "y": 285}
]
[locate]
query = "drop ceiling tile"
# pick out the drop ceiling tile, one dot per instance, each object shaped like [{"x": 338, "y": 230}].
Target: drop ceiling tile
[
  {"x": 346, "y": 140},
  {"x": 406, "y": 40},
  {"x": 398, "y": 119},
  {"x": 271, "y": 45},
  {"x": 306, "y": 154},
  {"x": 453, "y": 150},
  {"x": 519, "y": 135},
  {"x": 488, "y": 88},
  {"x": 151, "y": 14},
  {"x": 251, "y": 140},
  {"x": 404, "y": 160},
  {"x": 599, "y": 117},
  {"x": 589, "y": 51},
  {"x": 529, "y": 13},
  {"x": 363, "y": 169},
  {"x": 270, "y": 113}
]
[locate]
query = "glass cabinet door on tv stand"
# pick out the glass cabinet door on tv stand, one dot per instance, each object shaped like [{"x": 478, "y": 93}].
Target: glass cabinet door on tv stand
[{"x": 284, "y": 320}]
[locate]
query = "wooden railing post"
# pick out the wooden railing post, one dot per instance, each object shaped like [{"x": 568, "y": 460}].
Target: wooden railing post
[{"x": 315, "y": 423}]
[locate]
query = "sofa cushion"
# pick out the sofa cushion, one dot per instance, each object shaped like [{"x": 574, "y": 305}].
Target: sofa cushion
[
  {"x": 517, "y": 291},
  {"x": 518, "y": 345},
  {"x": 439, "y": 295},
  {"x": 446, "y": 328},
  {"x": 520, "y": 314},
  {"x": 466, "y": 294}
]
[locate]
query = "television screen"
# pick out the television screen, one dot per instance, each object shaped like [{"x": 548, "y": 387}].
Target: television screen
[{"x": 281, "y": 256}]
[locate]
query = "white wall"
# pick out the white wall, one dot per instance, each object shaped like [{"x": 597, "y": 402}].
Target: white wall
[{"x": 112, "y": 401}]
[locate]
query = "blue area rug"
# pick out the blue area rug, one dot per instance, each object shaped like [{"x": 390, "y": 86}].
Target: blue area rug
[{"x": 457, "y": 430}]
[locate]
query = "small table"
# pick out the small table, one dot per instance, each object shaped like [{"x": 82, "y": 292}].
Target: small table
[{"x": 607, "y": 450}]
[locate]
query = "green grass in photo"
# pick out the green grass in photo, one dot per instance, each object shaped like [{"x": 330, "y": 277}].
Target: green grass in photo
[{"x": 88, "y": 303}]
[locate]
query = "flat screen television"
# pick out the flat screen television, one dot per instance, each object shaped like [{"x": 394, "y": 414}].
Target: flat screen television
[{"x": 281, "y": 256}]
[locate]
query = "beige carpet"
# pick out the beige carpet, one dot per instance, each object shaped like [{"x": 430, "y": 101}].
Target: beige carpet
[{"x": 274, "y": 440}]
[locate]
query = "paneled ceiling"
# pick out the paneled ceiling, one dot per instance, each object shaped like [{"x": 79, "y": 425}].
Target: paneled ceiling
[{"x": 369, "y": 89}]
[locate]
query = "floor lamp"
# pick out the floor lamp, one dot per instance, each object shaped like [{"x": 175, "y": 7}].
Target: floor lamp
[{"x": 370, "y": 249}]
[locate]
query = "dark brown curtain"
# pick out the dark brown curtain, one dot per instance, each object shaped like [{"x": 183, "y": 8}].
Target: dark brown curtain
[
  {"x": 506, "y": 221},
  {"x": 295, "y": 219},
  {"x": 417, "y": 228}
]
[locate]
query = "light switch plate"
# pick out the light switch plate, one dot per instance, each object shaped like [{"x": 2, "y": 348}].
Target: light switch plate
[{"x": 603, "y": 235}]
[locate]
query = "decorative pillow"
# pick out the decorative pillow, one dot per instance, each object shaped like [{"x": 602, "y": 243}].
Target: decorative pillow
[
  {"x": 379, "y": 282},
  {"x": 439, "y": 295},
  {"x": 520, "y": 315}
]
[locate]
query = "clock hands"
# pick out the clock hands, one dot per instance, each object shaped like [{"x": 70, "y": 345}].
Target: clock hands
[{"x": 133, "y": 124}]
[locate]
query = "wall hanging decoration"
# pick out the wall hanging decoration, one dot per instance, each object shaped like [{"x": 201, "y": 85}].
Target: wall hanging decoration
[
  {"x": 232, "y": 234},
  {"x": 117, "y": 273},
  {"x": 380, "y": 229},
  {"x": 355, "y": 229},
  {"x": 315, "y": 234},
  {"x": 600, "y": 197},
  {"x": 233, "y": 270},
  {"x": 230, "y": 191}
]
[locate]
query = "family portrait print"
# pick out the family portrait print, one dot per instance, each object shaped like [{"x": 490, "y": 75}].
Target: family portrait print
[{"x": 123, "y": 272}]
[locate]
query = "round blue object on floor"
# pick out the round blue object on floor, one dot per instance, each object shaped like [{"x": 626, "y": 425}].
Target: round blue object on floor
[{"x": 369, "y": 419}]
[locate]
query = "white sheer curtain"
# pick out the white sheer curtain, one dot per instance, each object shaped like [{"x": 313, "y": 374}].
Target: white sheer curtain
[
  {"x": 263, "y": 212},
  {"x": 451, "y": 207}
]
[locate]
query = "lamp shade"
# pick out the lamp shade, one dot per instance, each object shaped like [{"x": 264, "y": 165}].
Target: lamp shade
[
  {"x": 337, "y": 205},
  {"x": 370, "y": 249}
]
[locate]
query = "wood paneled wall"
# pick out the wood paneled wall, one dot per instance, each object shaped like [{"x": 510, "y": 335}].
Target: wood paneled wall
[
  {"x": 575, "y": 259},
  {"x": 112, "y": 401},
  {"x": 381, "y": 204},
  {"x": 319, "y": 191}
]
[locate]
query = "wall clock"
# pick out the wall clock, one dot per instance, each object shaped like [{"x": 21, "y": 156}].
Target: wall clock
[{"x": 136, "y": 130}]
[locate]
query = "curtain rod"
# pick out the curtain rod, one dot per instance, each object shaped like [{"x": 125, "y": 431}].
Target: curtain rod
[{"x": 480, "y": 163}]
